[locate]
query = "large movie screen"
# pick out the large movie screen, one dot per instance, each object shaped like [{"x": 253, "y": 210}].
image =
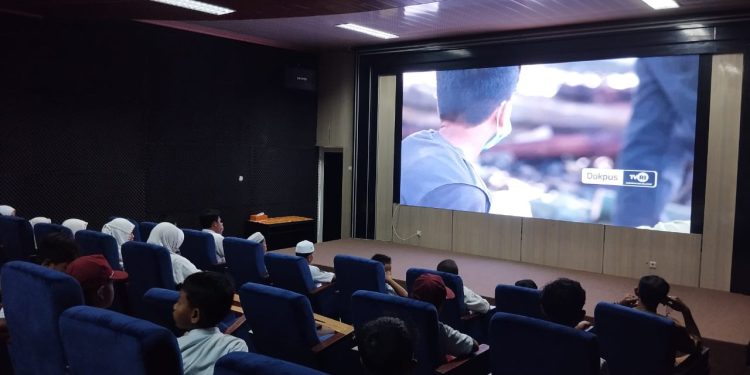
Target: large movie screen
[{"x": 605, "y": 141}]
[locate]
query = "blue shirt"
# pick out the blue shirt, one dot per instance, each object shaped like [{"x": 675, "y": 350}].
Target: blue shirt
[
  {"x": 436, "y": 174},
  {"x": 202, "y": 347}
]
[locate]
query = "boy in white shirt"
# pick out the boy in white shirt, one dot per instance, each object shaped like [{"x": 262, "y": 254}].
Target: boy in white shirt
[
  {"x": 306, "y": 249},
  {"x": 205, "y": 299},
  {"x": 211, "y": 223}
]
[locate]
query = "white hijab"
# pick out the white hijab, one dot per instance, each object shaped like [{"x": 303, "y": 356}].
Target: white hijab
[
  {"x": 120, "y": 229},
  {"x": 40, "y": 219},
  {"x": 7, "y": 211},
  {"x": 76, "y": 224},
  {"x": 167, "y": 235}
]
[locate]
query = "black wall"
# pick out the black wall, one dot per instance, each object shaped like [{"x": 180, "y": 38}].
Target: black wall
[{"x": 150, "y": 123}]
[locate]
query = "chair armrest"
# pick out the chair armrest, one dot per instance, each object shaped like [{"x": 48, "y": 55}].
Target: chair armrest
[
  {"x": 336, "y": 338},
  {"x": 236, "y": 325},
  {"x": 475, "y": 363},
  {"x": 321, "y": 288},
  {"x": 694, "y": 364}
]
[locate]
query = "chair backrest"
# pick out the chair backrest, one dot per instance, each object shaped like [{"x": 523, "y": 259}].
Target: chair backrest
[
  {"x": 16, "y": 239},
  {"x": 635, "y": 342},
  {"x": 281, "y": 321},
  {"x": 42, "y": 230},
  {"x": 99, "y": 341},
  {"x": 245, "y": 260},
  {"x": 145, "y": 228},
  {"x": 158, "y": 305},
  {"x": 241, "y": 363},
  {"x": 420, "y": 317},
  {"x": 519, "y": 300},
  {"x": 529, "y": 346},
  {"x": 199, "y": 247},
  {"x": 353, "y": 274},
  {"x": 136, "y": 230},
  {"x": 453, "y": 309},
  {"x": 93, "y": 242},
  {"x": 149, "y": 266},
  {"x": 289, "y": 272},
  {"x": 34, "y": 297}
]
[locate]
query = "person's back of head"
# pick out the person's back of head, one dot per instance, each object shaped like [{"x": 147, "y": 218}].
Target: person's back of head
[
  {"x": 386, "y": 347},
  {"x": 96, "y": 278},
  {"x": 205, "y": 300},
  {"x": 304, "y": 249},
  {"x": 563, "y": 300},
  {"x": 208, "y": 218},
  {"x": 448, "y": 266},
  {"x": 652, "y": 290},
  {"x": 382, "y": 258},
  {"x": 56, "y": 251},
  {"x": 526, "y": 283},
  {"x": 470, "y": 96}
]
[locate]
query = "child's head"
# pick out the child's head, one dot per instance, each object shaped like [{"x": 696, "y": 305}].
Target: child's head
[
  {"x": 56, "y": 251},
  {"x": 95, "y": 276},
  {"x": 386, "y": 347},
  {"x": 211, "y": 219},
  {"x": 205, "y": 299},
  {"x": 448, "y": 266},
  {"x": 527, "y": 283},
  {"x": 652, "y": 290},
  {"x": 305, "y": 249},
  {"x": 431, "y": 288},
  {"x": 563, "y": 300},
  {"x": 385, "y": 259}
]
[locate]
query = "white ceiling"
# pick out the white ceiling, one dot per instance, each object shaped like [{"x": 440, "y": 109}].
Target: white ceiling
[{"x": 441, "y": 19}]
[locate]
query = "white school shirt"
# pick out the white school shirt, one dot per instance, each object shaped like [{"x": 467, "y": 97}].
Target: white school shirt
[
  {"x": 475, "y": 302},
  {"x": 202, "y": 347},
  {"x": 319, "y": 276},
  {"x": 181, "y": 268},
  {"x": 219, "y": 241}
]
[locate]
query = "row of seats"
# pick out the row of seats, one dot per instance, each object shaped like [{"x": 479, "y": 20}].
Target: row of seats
[{"x": 57, "y": 335}]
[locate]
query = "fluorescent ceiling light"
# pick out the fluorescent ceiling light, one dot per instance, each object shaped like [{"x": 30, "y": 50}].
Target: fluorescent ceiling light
[
  {"x": 367, "y": 30},
  {"x": 197, "y": 5},
  {"x": 662, "y": 4}
]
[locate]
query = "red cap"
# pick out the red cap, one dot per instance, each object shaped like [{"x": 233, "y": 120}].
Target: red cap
[
  {"x": 93, "y": 271},
  {"x": 431, "y": 288}
]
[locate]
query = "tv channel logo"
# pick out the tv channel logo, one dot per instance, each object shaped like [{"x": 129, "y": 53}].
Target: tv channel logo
[{"x": 638, "y": 178}]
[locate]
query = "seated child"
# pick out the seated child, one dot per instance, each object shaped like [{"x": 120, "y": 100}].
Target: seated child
[
  {"x": 205, "y": 299},
  {"x": 474, "y": 302},
  {"x": 391, "y": 286},
  {"x": 305, "y": 249},
  {"x": 431, "y": 288},
  {"x": 526, "y": 283},
  {"x": 386, "y": 347},
  {"x": 653, "y": 290}
]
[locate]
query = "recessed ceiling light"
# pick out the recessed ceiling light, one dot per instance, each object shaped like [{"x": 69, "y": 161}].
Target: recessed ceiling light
[
  {"x": 367, "y": 30},
  {"x": 662, "y": 4},
  {"x": 197, "y": 5}
]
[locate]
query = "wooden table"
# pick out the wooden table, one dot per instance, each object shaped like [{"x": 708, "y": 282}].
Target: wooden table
[{"x": 283, "y": 232}]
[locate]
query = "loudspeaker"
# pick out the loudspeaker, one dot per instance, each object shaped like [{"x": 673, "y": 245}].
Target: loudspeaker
[{"x": 300, "y": 79}]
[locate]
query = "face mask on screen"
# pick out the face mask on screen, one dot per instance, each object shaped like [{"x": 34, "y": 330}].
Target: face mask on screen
[{"x": 500, "y": 133}]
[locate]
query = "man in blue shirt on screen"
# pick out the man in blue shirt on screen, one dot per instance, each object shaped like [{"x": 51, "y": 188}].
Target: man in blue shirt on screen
[{"x": 437, "y": 166}]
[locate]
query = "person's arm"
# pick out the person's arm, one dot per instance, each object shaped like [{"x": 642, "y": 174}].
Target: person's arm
[
  {"x": 461, "y": 197},
  {"x": 396, "y": 286},
  {"x": 694, "y": 336},
  {"x": 455, "y": 343},
  {"x": 474, "y": 302}
]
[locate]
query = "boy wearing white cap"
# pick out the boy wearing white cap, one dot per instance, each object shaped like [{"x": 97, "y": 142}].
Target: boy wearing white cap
[{"x": 305, "y": 249}]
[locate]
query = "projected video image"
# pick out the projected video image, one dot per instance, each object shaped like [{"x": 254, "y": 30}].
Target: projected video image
[{"x": 605, "y": 141}]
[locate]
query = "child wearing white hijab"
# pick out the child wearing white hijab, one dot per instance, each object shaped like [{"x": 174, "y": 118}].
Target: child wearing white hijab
[
  {"x": 169, "y": 236},
  {"x": 122, "y": 230},
  {"x": 75, "y": 225},
  {"x": 40, "y": 219},
  {"x": 7, "y": 211}
]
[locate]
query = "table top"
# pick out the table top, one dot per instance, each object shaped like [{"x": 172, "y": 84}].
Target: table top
[{"x": 282, "y": 220}]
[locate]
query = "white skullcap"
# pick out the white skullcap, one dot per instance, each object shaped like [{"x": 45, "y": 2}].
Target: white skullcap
[
  {"x": 257, "y": 237},
  {"x": 304, "y": 247}
]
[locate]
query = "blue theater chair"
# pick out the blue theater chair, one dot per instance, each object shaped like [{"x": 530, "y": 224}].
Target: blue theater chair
[
  {"x": 149, "y": 266},
  {"x": 240, "y": 363},
  {"x": 353, "y": 274},
  {"x": 293, "y": 273},
  {"x": 245, "y": 261},
  {"x": 99, "y": 341},
  {"x": 42, "y": 230},
  {"x": 199, "y": 247},
  {"x": 92, "y": 242},
  {"x": 519, "y": 300},
  {"x": 145, "y": 228},
  {"x": 16, "y": 239},
  {"x": 158, "y": 305}
]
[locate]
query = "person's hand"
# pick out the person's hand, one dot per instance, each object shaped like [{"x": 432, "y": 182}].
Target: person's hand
[
  {"x": 583, "y": 325},
  {"x": 676, "y": 304},
  {"x": 629, "y": 300},
  {"x": 388, "y": 275}
]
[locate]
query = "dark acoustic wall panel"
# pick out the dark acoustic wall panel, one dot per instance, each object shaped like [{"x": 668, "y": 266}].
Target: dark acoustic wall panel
[{"x": 151, "y": 123}]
